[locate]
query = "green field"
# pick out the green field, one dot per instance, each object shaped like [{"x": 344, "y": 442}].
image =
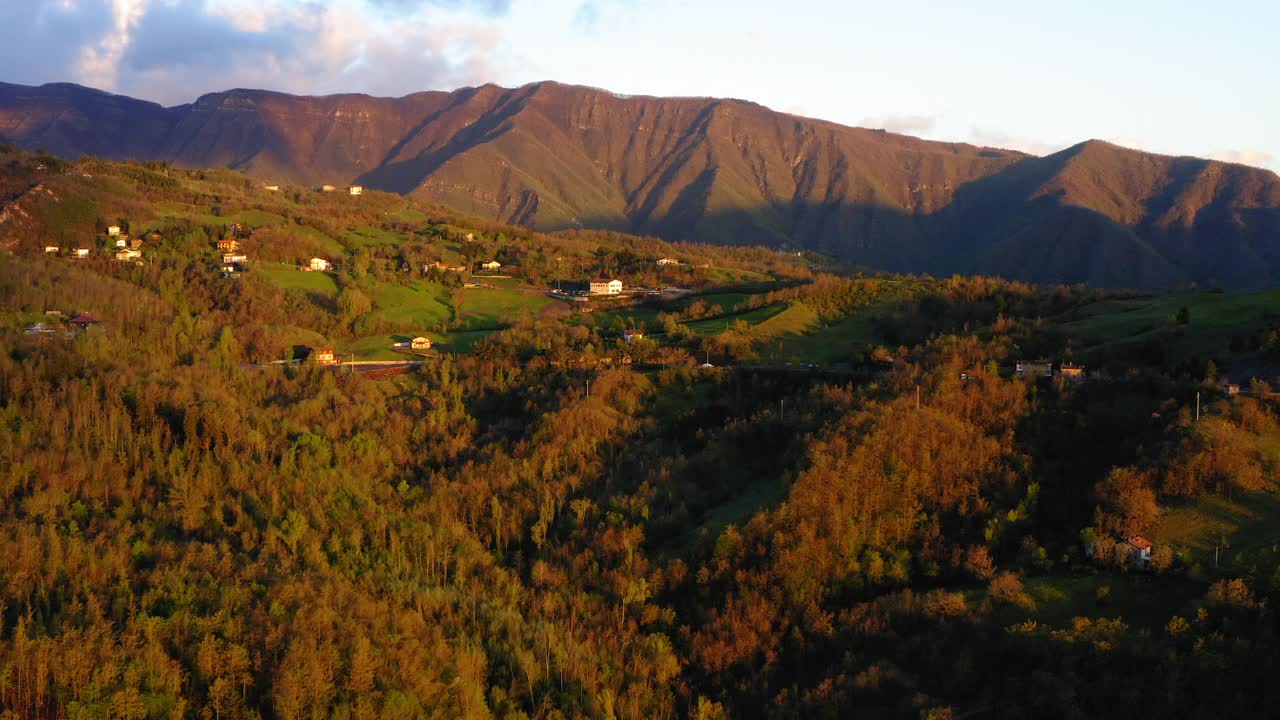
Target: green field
[
  {"x": 367, "y": 236},
  {"x": 837, "y": 342},
  {"x": 378, "y": 347},
  {"x": 716, "y": 325},
  {"x": 1141, "y": 600},
  {"x": 323, "y": 243},
  {"x": 1244, "y": 526},
  {"x": 1120, "y": 326},
  {"x": 494, "y": 307},
  {"x": 421, "y": 303},
  {"x": 290, "y": 277}
]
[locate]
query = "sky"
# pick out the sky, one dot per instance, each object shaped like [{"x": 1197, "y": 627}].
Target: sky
[{"x": 1174, "y": 76}]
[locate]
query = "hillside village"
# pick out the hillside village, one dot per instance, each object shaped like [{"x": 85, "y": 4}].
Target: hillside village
[{"x": 392, "y": 412}]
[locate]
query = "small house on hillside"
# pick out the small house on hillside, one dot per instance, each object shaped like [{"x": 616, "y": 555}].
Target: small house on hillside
[
  {"x": 230, "y": 258},
  {"x": 632, "y": 335},
  {"x": 1229, "y": 388},
  {"x": 1034, "y": 368},
  {"x": 82, "y": 321},
  {"x": 327, "y": 188},
  {"x": 667, "y": 261},
  {"x": 1072, "y": 371},
  {"x": 136, "y": 243},
  {"x": 491, "y": 265},
  {"x": 51, "y": 248},
  {"x": 445, "y": 266},
  {"x": 420, "y": 343},
  {"x": 601, "y": 286},
  {"x": 122, "y": 242},
  {"x": 128, "y": 254},
  {"x": 1139, "y": 550},
  {"x": 323, "y": 356},
  {"x": 80, "y": 253},
  {"x": 356, "y": 190},
  {"x": 271, "y": 188},
  {"x": 113, "y": 231},
  {"x": 227, "y": 245},
  {"x": 319, "y": 265}
]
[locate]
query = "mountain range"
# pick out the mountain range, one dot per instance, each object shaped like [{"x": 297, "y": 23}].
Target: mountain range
[{"x": 555, "y": 156}]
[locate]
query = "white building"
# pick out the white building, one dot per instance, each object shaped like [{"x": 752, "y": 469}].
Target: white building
[
  {"x": 121, "y": 242},
  {"x": 632, "y": 335},
  {"x": 51, "y": 248},
  {"x": 229, "y": 258},
  {"x": 128, "y": 254},
  {"x": 355, "y": 190},
  {"x": 606, "y": 287},
  {"x": 667, "y": 261},
  {"x": 271, "y": 188},
  {"x": 113, "y": 230},
  {"x": 320, "y": 265},
  {"x": 80, "y": 253},
  {"x": 491, "y": 265}
]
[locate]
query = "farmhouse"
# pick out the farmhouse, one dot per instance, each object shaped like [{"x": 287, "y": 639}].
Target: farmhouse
[
  {"x": 271, "y": 188},
  {"x": 667, "y": 261},
  {"x": 601, "y": 286},
  {"x": 1139, "y": 550},
  {"x": 1071, "y": 371},
  {"x": 491, "y": 265},
  {"x": 632, "y": 335},
  {"x": 122, "y": 242},
  {"x": 443, "y": 266},
  {"x": 356, "y": 190},
  {"x": 1229, "y": 388},
  {"x": 51, "y": 248},
  {"x": 128, "y": 254},
  {"x": 327, "y": 188},
  {"x": 113, "y": 231},
  {"x": 82, "y": 321},
  {"x": 1037, "y": 368},
  {"x": 228, "y": 245},
  {"x": 80, "y": 253},
  {"x": 229, "y": 258},
  {"x": 420, "y": 343},
  {"x": 323, "y": 356},
  {"x": 319, "y": 265}
]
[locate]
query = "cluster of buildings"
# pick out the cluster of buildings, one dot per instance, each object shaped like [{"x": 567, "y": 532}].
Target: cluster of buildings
[
  {"x": 123, "y": 247},
  {"x": 351, "y": 189},
  {"x": 232, "y": 258},
  {"x": 1045, "y": 368},
  {"x": 69, "y": 328}
]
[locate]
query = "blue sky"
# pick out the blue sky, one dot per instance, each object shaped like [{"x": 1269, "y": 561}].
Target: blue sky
[{"x": 1175, "y": 77}]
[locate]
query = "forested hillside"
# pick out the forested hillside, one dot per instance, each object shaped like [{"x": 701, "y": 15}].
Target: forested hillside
[
  {"x": 766, "y": 486},
  {"x": 552, "y": 157}
]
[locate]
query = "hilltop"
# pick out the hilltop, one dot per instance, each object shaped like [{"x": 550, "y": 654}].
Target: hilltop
[{"x": 550, "y": 156}]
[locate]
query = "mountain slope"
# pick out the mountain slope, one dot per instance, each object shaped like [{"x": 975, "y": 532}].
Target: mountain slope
[{"x": 553, "y": 156}]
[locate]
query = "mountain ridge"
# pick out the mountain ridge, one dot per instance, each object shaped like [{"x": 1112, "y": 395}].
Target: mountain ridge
[{"x": 553, "y": 156}]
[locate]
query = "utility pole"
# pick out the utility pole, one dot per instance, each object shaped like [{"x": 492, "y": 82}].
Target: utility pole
[
  {"x": 782, "y": 409},
  {"x": 588, "y": 388},
  {"x": 917, "y": 397},
  {"x": 1197, "y": 406}
]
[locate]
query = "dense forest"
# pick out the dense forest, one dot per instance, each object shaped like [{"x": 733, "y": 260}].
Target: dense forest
[{"x": 559, "y": 523}]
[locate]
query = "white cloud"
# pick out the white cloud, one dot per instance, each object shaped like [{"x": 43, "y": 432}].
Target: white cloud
[
  {"x": 904, "y": 124},
  {"x": 997, "y": 138},
  {"x": 1256, "y": 158},
  {"x": 171, "y": 51}
]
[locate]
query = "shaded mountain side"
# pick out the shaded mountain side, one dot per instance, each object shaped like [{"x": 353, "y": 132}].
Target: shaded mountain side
[{"x": 554, "y": 157}]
